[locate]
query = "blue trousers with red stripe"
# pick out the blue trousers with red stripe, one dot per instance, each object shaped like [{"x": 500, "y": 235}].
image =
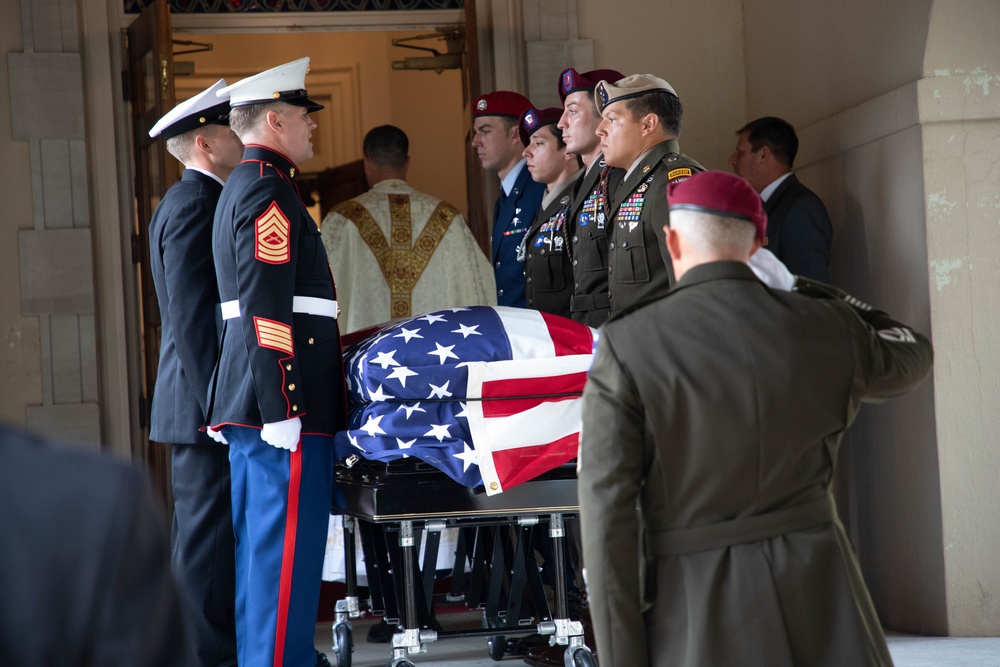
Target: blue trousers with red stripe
[{"x": 281, "y": 510}]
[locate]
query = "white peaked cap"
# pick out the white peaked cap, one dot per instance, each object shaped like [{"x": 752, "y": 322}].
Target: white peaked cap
[
  {"x": 210, "y": 106},
  {"x": 284, "y": 83}
]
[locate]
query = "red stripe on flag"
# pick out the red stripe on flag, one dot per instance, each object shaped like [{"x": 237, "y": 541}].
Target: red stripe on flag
[
  {"x": 529, "y": 392},
  {"x": 288, "y": 553},
  {"x": 515, "y": 466},
  {"x": 568, "y": 336}
]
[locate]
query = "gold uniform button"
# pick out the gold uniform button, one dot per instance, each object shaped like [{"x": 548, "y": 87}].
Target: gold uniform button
[
  {"x": 312, "y": 341},
  {"x": 291, "y": 387},
  {"x": 288, "y": 367},
  {"x": 295, "y": 408}
]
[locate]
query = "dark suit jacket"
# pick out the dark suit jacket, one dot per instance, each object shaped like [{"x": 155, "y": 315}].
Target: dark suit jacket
[
  {"x": 84, "y": 562},
  {"x": 180, "y": 259},
  {"x": 718, "y": 410},
  {"x": 510, "y": 223},
  {"x": 799, "y": 232}
]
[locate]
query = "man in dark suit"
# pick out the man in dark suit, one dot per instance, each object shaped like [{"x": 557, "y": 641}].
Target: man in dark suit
[
  {"x": 497, "y": 141},
  {"x": 277, "y": 393},
  {"x": 84, "y": 566},
  {"x": 718, "y": 411},
  {"x": 799, "y": 232},
  {"x": 197, "y": 133},
  {"x": 640, "y": 126}
]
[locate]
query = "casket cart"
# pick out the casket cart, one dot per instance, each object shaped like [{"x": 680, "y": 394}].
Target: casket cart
[
  {"x": 411, "y": 501},
  {"x": 465, "y": 418}
]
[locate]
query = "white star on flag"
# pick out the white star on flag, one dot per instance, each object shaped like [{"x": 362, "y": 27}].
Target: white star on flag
[
  {"x": 385, "y": 359},
  {"x": 443, "y": 352},
  {"x": 431, "y": 318},
  {"x": 371, "y": 427},
  {"x": 464, "y": 414},
  {"x": 467, "y": 331},
  {"x": 405, "y": 445},
  {"x": 401, "y": 373},
  {"x": 440, "y": 392},
  {"x": 379, "y": 395},
  {"x": 407, "y": 334},
  {"x": 410, "y": 409},
  {"x": 460, "y": 310},
  {"x": 354, "y": 441},
  {"x": 439, "y": 431},
  {"x": 468, "y": 457}
]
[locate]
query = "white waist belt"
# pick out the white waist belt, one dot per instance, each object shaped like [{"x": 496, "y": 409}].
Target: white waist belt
[{"x": 308, "y": 305}]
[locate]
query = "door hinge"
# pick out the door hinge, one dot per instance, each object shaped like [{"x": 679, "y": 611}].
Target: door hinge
[{"x": 126, "y": 86}]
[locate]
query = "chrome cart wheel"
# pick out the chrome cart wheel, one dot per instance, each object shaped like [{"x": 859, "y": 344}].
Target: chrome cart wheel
[{"x": 343, "y": 644}]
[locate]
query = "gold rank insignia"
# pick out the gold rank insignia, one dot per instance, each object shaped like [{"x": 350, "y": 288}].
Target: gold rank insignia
[
  {"x": 678, "y": 173},
  {"x": 273, "y": 335},
  {"x": 273, "y": 229}
]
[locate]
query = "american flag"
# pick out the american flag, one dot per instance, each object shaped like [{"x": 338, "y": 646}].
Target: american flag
[{"x": 488, "y": 395}]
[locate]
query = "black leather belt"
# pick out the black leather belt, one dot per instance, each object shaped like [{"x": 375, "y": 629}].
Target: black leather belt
[
  {"x": 740, "y": 531},
  {"x": 585, "y": 302}
]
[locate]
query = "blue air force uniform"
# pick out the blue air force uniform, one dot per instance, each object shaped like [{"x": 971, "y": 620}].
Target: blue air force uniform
[{"x": 513, "y": 215}]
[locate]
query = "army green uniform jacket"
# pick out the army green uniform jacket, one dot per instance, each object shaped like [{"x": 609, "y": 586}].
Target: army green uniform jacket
[
  {"x": 718, "y": 411},
  {"x": 639, "y": 266}
]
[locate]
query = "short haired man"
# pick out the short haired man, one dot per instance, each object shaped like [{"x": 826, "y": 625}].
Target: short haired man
[
  {"x": 639, "y": 130},
  {"x": 799, "y": 232},
  {"x": 718, "y": 410},
  {"x": 278, "y": 389},
  {"x": 497, "y": 141},
  {"x": 548, "y": 275},
  {"x": 398, "y": 252},
  {"x": 590, "y": 209},
  {"x": 197, "y": 133}
]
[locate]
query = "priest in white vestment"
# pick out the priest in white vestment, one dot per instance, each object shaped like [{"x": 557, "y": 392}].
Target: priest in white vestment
[{"x": 397, "y": 252}]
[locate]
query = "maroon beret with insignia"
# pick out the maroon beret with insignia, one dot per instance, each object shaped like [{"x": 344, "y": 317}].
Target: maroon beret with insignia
[
  {"x": 501, "y": 103},
  {"x": 719, "y": 193},
  {"x": 570, "y": 81},
  {"x": 533, "y": 119}
]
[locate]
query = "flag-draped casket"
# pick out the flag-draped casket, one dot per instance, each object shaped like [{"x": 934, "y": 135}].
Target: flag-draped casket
[{"x": 488, "y": 395}]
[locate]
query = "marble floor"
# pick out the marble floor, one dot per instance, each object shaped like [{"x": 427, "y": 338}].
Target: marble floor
[{"x": 907, "y": 650}]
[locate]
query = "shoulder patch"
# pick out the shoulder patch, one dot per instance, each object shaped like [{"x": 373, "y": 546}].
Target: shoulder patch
[
  {"x": 273, "y": 230},
  {"x": 683, "y": 172}
]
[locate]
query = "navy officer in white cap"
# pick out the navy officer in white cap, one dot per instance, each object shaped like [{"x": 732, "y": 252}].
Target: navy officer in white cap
[
  {"x": 197, "y": 133},
  {"x": 278, "y": 392},
  {"x": 638, "y": 133}
]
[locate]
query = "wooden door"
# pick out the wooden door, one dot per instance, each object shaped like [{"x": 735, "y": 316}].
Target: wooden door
[
  {"x": 150, "y": 89},
  {"x": 480, "y": 215}
]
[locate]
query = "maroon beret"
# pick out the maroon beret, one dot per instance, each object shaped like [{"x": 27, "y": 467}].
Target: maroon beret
[
  {"x": 570, "y": 81},
  {"x": 533, "y": 119},
  {"x": 501, "y": 103},
  {"x": 721, "y": 193}
]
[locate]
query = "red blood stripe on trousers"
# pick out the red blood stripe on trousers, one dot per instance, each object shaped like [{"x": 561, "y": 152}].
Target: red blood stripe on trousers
[
  {"x": 288, "y": 554},
  {"x": 530, "y": 392}
]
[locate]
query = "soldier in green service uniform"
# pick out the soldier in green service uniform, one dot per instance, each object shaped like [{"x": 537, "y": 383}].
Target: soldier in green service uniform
[{"x": 641, "y": 122}]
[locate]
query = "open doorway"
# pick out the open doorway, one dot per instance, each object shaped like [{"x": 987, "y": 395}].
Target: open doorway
[{"x": 351, "y": 73}]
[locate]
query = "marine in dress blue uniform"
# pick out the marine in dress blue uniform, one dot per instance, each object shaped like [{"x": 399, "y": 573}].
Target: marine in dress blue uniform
[
  {"x": 278, "y": 391},
  {"x": 589, "y": 212},
  {"x": 180, "y": 242},
  {"x": 639, "y": 266},
  {"x": 520, "y": 197}
]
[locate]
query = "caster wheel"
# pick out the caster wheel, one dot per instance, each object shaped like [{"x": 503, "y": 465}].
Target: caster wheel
[
  {"x": 581, "y": 658},
  {"x": 343, "y": 644},
  {"x": 495, "y": 644}
]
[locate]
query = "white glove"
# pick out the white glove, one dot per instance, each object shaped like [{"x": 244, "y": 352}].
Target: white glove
[
  {"x": 216, "y": 435},
  {"x": 771, "y": 271},
  {"x": 283, "y": 434}
]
